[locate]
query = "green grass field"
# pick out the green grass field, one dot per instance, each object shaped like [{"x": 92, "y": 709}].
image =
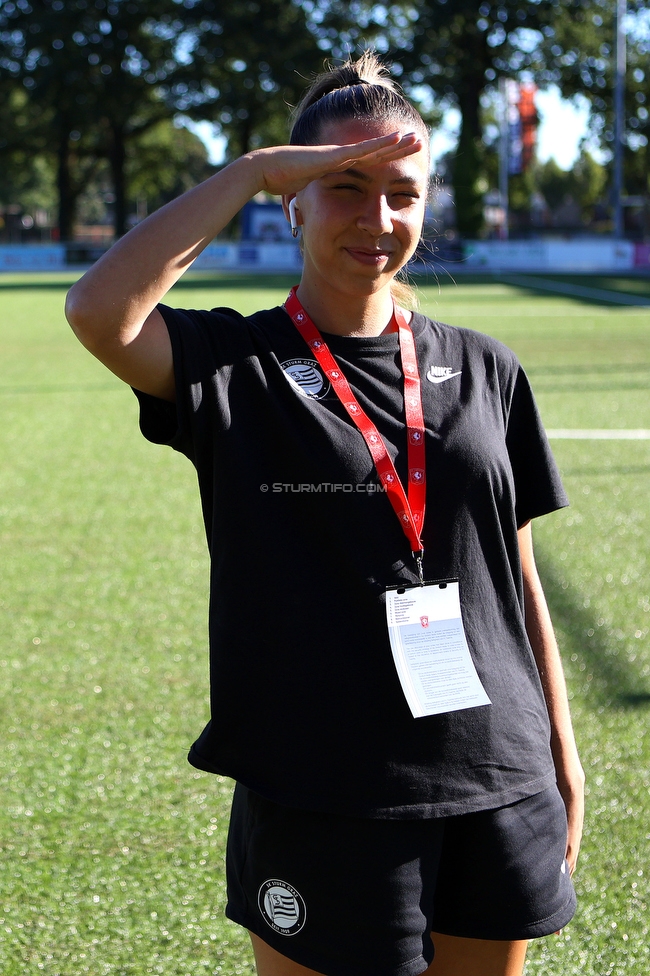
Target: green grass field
[{"x": 110, "y": 843}]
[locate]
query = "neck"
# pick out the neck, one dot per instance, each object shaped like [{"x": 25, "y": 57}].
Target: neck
[{"x": 347, "y": 315}]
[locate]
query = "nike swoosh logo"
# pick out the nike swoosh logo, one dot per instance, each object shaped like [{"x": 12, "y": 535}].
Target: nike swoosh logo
[{"x": 444, "y": 378}]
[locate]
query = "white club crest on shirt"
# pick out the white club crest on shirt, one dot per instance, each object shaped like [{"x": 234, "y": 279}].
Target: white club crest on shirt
[{"x": 306, "y": 377}]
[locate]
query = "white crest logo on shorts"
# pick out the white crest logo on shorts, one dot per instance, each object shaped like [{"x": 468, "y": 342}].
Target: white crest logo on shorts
[
  {"x": 282, "y": 907},
  {"x": 306, "y": 377}
]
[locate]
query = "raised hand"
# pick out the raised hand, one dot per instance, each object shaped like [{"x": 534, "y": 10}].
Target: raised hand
[
  {"x": 112, "y": 308},
  {"x": 288, "y": 169}
]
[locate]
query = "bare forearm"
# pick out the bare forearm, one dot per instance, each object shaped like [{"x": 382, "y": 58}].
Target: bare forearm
[
  {"x": 570, "y": 776},
  {"x": 120, "y": 291},
  {"x": 112, "y": 302},
  {"x": 547, "y": 655},
  {"x": 112, "y": 309}
]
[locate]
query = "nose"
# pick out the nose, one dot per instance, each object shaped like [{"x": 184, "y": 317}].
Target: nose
[{"x": 376, "y": 217}]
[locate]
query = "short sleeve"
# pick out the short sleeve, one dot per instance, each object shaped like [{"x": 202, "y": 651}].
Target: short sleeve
[
  {"x": 201, "y": 341},
  {"x": 538, "y": 485},
  {"x": 158, "y": 419}
]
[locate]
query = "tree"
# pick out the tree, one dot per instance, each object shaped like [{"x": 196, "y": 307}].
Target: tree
[
  {"x": 248, "y": 65},
  {"x": 40, "y": 121},
  {"x": 584, "y": 184},
  {"x": 27, "y": 178},
  {"x": 457, "y": 50},
  {"x": 579, "y": 54},
  {"x": 164, "y": 162},
  {"x": 161, "y": 163},
  {"x": 22, "y": 171},
  {"x": 95, "y": 71}
]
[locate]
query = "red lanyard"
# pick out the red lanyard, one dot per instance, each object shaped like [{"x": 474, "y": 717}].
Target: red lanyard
[{"x": 410, "y": 511}]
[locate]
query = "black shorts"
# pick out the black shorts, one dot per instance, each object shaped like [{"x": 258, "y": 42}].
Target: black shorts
[{"x": 360, "y": 897}]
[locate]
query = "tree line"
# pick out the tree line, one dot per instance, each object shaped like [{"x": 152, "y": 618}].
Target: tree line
[{"x": 94, "y": 86}]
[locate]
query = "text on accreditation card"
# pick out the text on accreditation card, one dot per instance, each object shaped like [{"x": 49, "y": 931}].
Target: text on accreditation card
[{"x": 430, "y": 649}]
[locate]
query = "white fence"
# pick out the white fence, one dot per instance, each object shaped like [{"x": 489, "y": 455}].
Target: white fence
[
  {"x": 591, "y": 255},
  {"x": 32, "y": 257},
  {"x": 251, "y": 257},
  {"x": 552, "y": 255},
  {"x": 243, "y": 256}
]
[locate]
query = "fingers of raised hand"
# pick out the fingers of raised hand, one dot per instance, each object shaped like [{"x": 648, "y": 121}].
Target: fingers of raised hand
[
  {"x": 290, "y": 168},
  {"x": 381, "y": 149}
]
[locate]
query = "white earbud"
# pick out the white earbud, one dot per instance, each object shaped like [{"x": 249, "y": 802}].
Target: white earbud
[{"x": 292, "y": 217}]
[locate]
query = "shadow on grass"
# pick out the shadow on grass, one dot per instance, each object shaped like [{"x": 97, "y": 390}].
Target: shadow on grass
[
  {"x": 605, "y": 471},
  {"x": 614, "y": 682},
  {"x": 580, "y": 369},
  {"x": 588, "y": 292},
  {"x": 638, "y": 283},
  {"x": 61, "y": 285},
  {"x": 608, "y": 387},
  {"x": 112, "y": 385},
  {"x": 569, "y": 378},
  {"x": 253, "y": 281},
  {"x": 529, "y": 291},
  {"x": 194, "y": 279},
  {"x": 442, "y": 276}
]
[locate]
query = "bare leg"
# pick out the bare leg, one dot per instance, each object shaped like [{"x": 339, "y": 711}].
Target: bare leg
[
  {"x": 476, "y": 957},
  {"x": 454, "y": 957},
  {"x": 269, "y": 962}
]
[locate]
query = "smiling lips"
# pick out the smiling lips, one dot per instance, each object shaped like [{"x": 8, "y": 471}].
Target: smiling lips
[{"x": 369, "y": 256}]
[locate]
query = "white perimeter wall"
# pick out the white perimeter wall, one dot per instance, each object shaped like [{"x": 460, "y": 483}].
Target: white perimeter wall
[
  {"x": 551, "y": 255},
  {"x": 28, "y": 257},
  {"x": 529, "y": 256},
  {"x": 229, "y": 257}
]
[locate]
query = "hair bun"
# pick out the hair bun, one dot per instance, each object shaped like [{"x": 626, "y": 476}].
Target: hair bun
[
  {"x": 361, "y": 90},
  {"x": 368, "y": 70}
]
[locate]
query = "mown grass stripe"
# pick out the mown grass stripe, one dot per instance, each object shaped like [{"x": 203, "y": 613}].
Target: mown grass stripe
[
  {"x": 600, "y": 435},
  {"x": 577, "y": 291}
]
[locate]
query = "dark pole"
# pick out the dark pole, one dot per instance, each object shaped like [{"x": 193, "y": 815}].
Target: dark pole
[{"x": 619, "y": 118}]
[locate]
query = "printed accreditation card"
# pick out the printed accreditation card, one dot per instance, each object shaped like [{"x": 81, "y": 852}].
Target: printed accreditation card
[{"x": 430, "y": 649}]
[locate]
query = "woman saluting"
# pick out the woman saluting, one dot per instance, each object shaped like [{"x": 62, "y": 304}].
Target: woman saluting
[{"x": 385, "y": 685}]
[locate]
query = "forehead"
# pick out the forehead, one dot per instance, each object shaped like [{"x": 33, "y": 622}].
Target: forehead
[{"x": 349, "y": 131}]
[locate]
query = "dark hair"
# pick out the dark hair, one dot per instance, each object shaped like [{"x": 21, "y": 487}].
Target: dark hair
[{"x": 359, "y": 89}]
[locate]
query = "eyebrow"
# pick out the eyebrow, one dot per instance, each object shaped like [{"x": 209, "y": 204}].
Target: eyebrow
[{"x": 360, "y": 175}]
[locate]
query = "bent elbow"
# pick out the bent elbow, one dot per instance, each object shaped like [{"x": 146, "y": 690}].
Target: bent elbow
[
  {"x": 76, "y": 313},
  {"x": 83, "y": 318}
]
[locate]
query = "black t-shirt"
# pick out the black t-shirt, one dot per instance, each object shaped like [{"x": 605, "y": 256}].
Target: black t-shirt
[{"x": 306, "y": 705}]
